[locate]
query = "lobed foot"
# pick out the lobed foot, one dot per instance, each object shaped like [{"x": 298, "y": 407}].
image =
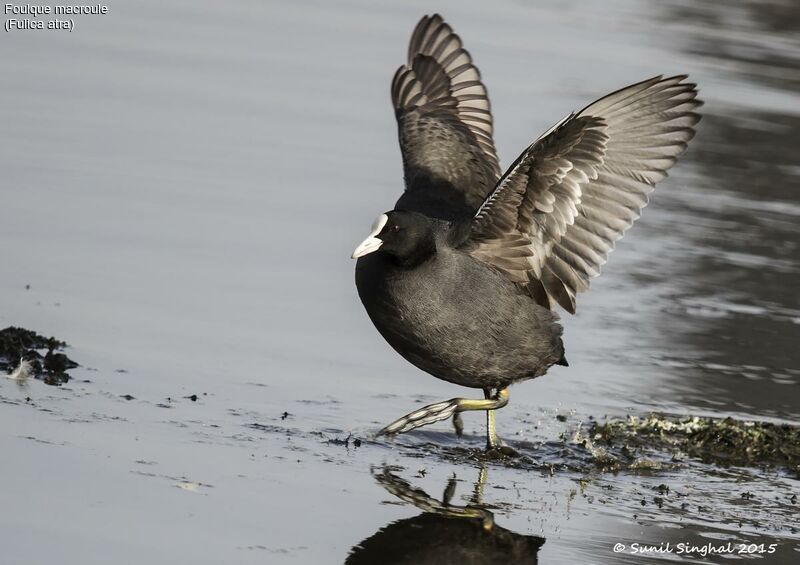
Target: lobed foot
[
  {"x": 422, "y": 417},
  {"x": 447, "y": 408}
]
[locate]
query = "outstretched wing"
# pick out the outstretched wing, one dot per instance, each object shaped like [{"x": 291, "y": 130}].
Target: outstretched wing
[
  {"x": 445, "y": 125},
  {"x": 555, "y": 215}
]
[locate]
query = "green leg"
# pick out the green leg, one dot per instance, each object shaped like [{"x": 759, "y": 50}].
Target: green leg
[
  {"x": 458, "y": 424},
  {"x": 448, "y": 408},
  {"x": 492, "y": 441}
]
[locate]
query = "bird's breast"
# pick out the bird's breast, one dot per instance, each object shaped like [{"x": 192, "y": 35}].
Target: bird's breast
[{"x": 456, "y": 320}]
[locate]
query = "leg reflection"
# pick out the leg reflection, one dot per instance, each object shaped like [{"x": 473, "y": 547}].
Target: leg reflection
[{"x": 445, "y": 532}]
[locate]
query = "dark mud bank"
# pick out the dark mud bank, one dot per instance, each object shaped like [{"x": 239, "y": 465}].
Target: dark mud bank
[{"x": 42, "y": 354}]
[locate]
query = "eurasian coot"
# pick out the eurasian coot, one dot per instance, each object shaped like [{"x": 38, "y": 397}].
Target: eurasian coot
[{"x": 463, "y": 276}]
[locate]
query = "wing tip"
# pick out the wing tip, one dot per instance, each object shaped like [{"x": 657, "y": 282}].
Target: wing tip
[{"x": 428, "y": 32}]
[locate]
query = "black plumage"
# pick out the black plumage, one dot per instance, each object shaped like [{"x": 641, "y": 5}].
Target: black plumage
[
  {"x": 450, "y": 314},
  {"x": 462, "y": 277}
]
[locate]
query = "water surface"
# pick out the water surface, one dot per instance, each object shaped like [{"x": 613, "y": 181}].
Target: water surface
[{"x": 183, "y": 185}]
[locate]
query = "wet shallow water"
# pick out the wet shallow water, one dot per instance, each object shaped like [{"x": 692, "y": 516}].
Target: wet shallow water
[{"x": 183, "y": 187}]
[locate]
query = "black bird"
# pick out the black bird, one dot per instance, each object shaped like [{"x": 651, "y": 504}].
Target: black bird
[{"x": 463, "y": 276}]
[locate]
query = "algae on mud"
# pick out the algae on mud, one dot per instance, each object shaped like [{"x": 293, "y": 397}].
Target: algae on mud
[
  {"x": 18, "y": 344},
  {"x": 721, "y": 441}
]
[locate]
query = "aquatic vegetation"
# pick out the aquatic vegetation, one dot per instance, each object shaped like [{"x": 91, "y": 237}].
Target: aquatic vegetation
[{"x": 722, "y": 441}]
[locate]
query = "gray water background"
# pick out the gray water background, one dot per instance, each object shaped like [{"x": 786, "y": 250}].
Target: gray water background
[{"x": 182, "y": 185}]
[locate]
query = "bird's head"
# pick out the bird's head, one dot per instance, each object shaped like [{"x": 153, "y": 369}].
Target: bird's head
[{"x": 406, "y": 236}]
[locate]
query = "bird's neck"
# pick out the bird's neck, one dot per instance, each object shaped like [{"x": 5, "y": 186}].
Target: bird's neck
[{"x": 422, "y": 252}]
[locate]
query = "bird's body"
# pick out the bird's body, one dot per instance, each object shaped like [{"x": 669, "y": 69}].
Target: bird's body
[
  {"x": 457, "y": 319},
  {"x": 462, "y": 278}
]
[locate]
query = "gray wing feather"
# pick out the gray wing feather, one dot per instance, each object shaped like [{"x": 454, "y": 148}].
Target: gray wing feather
[
  {"x": 444, "y": 121},
  {"x": 554, "y": 217}
]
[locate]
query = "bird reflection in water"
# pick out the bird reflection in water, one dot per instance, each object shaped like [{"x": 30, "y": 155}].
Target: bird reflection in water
[{"x": 444, "y": 533}]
